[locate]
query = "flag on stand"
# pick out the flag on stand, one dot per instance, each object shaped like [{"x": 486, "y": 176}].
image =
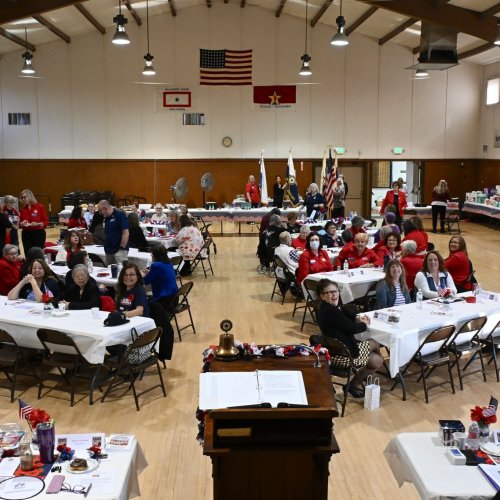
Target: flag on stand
[
  {"x": 225, "y": 67},
  {"x": 264, "y": 197},
  {"x": 25, "y": 409},
  {"x": 291, "y": 191},
  {"x": 331, "y": 177},
  {"x": 323, "y": 175}
]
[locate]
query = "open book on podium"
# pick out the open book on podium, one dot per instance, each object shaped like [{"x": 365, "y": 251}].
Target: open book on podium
[{"x": 238, "y": 389}]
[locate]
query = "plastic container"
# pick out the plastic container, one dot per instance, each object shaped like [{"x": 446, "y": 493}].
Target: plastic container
[
  {"x": 419, "y": 299},
  {"x": 473, "y": 441}
]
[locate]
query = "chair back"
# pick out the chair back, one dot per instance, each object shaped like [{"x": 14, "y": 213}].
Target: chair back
[
  {"x": 183, "y": 292},
  {"x": 469, "y": 331},
  {"x": 289, "y": 277},
  {"x": 6, "y": 338},
  {"x": 439, "y": 335},
  {"x": 147, "y": 338},
  {"x": 142, "y": 349},
  {"x": 56, "y": 338},
  {"x": 311, "y": 285},
  {"x": 339, "y": 350},
  {"x": 176, "y": 260}
]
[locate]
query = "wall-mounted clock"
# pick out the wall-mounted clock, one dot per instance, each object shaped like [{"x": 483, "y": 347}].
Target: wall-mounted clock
[{"x": 227, "y": 142}]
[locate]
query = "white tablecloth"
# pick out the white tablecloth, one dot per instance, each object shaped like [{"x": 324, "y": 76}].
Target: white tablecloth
[
  {"x": 351, "y": 287},
  {"x": 19, "y": 318},
  {"x": 419, "y": 458},
  {"x": 403, "y": 338}
]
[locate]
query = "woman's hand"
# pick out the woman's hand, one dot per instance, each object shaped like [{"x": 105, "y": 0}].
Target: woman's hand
[
  {"x": 29, "y": 278},
  {"x": 363, "y": 318}
]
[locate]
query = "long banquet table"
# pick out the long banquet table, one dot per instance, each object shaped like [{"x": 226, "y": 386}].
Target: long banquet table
[{"x": 22, "y": 319}]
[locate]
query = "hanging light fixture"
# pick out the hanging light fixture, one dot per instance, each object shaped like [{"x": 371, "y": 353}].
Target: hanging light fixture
[
  {"x": 305, "y": 70},
  {"x": 120, "y": 37},
  {"x": 421, "y": 73},
  {"x": 340, "y": 38},
  {"x": 148, "y": 69},
  {"x": 27, "y": 68}
]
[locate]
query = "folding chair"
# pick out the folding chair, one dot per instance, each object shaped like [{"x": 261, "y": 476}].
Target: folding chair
[
  {"x": 490, "y": 342},
  {"x": 204, "y": 257},
  {"x": 438, "y": 343},
  {"x": 369, "y": 299},
  {"x": 183, "y": 305},
  {"x": 139, "y": 356},
  {"x": 68, "y": 358},
  {"x": 176, "y": 261},
  {"x": 453, "y": 217},
  {"x": 284, "y": 279},
  {"x": 312, "y": 304}
]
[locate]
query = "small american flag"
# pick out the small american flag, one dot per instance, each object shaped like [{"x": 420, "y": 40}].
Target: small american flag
[
  {"x": 25, "y": 409},
  {"x": 225, "y": 67},
  {"x": 331, "y": 177},
  {"x": 489, "y": 411}
]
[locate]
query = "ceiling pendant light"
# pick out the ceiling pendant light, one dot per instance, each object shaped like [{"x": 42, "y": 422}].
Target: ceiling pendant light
[
  {"x": 27, "y": 68},
  {"x": 421, "y": 73},
  {"x": 340, "y": 38},
  {"x": 497, "y": 39},
  {"x": 120, "y": 37},
  {"x": 148, "y": 69},
  {"x": 305, "y": 70}
]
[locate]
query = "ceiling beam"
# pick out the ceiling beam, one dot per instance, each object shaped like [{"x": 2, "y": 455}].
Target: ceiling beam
[
  {"x": 477, "y": 50},
  {"x": 280, "y": 8},
  {"x": 16, "y": 39},
  {"x": 51, "y": 27},
  {"x": 226, "y": 1},
  {"x": 457, "y": 18},
  {"x": 172, "y": 8},
  {"x": 90, "y": 18},
  {"x": 398, "y": 30},
  {"x": 209, "y": 3},
  {"x": 14, "y": 11},
  {"x": 360, "y": 20},
  {"x": 242, "y": 4},
  {"x": 491, "y": 11},
  {"x": 133, "y": 12},
  {"x": 320, "y": 12}
]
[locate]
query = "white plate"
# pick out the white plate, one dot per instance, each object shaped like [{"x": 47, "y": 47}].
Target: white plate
[
  {"x": 491, "y": 449},
  {"x": 60, "y": 314},
  {"x": 92, "y": 465},
  {"x": 21, "y": 487}
]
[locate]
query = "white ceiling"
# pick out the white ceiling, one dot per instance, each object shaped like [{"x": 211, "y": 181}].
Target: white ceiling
[{"x": 72, "y": 22}]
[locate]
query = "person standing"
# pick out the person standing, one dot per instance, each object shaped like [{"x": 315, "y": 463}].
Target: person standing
[
  {"x": 314, "y": 202},
  {"x": 33, "y": 221},
  {"x": 10, "y": 211},
  {"x": 89, "y": 214},
  {"x": 440, "y": 197},
  {"x": 397, "y": 198},
  {"x": 116, "y": 233},
  {"x": 252, "y": 192},
  {"x": 338, "y": 199},
  {"x": 5, "y": 225},
  {"x": 278, "y": 192}
]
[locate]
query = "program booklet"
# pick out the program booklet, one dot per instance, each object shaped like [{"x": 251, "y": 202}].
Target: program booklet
[{"x": 120, "y": 442}]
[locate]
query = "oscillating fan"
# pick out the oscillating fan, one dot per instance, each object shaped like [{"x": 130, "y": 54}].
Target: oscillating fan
[
  {"x": 179, "y": 189},
  {"x": 207, "y": 183}
]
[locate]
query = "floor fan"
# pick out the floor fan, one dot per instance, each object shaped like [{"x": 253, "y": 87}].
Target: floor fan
[
  {"x": 207, "y": 183},
  {"x": 179, "y": 189}
]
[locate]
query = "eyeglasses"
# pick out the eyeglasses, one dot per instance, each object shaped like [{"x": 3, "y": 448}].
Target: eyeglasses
[
  {"x": 83, "y": 490},
  {"x": 13, "y": 253},
  {"x": 330, "y": 292},
  {"x": 129, "y": 275}
]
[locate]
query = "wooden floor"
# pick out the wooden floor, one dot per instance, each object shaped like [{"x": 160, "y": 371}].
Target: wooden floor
[{"x": 166, "y": 427}]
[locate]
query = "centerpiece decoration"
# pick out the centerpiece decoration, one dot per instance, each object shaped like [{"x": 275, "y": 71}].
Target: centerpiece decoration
[
  {"x": 33, "y": 416},
  {"x": 484, "y": 416},
  {"x": 47, "y": 305}
]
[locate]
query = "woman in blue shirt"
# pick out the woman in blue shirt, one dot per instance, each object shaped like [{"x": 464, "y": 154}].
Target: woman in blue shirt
[{"x": 393, "y": 290}]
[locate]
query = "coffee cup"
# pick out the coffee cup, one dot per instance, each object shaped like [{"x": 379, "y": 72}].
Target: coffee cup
[
  {"x": 61, "y": 306},
  {"x": 95, "y": 312},
  {"x": 460, "y": 439}
]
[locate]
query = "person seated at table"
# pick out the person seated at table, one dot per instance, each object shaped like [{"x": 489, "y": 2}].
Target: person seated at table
[
  {"x": 97, "y": 228},
  {"x": 314, "y": 201},
  {"x": 269, "y": 240},
  {"x": 287, "y": 253},
  {"x": 183, "y": 210},
  {"x": 433, "y": 279},
  {"x": 393, "y": 290},
  {"x": 161, "y": 277},
  {"x": 10, "y": 267},
  {"x": 83, "y": 293},
  {"x": 130, "y": 295},
  {"x": 358, "y": 255},
  {"x": 357, "y": 225},
  {"x": 299, "y": 243},
  {"x": 264, "y": 222},
  {"x": 141, "y": 213},
  {"x": 330, "y": 238},
  {"x": 76, "y": 219},
  {"x": 458, "y": 264},
  {"x": 159, "y": 217},
  {"x": 88, "y": 215},
  {"x": 190, "y": 241},
  {"x": 342, "y": 323},
  {"x": 38, "y": 282},
  {"x": 313, "y": 259},
  {"x": 347, "y": 237},
  {"x": 411, "y": 262},
  {"x": 413, "y": 233},
  {"x": 389, "y": 219},
  {"x": 72, "y": 244},
  {"x": 389, "y": 248},
  {"x": 74, "y": 260},
  {"x": 33, "y": 253},
  {"x": 136, "y": 238},
  {"x": 173, "y": 223},
  {"x": 292, "y": 226}
]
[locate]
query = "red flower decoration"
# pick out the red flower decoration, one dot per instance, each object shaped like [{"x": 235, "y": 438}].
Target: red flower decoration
[
  {"x": 131, "y": 298},
  {"x": 483, "y": 415},
  {"x": 46, "y": 298},
  {"x": 447, "y": 293},
  {"x": 37, "y": 416}
]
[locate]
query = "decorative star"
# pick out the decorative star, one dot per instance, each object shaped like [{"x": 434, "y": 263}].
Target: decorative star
[{"x": 275, "y": 99}]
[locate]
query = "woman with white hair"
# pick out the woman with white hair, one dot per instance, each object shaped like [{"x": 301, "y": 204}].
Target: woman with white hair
[
  {"x": 83, "y": 293},
  {"x": 11, "y": 212},
  {"x": 158, "y": 217},
  {"x": 440, "y": 197},
  {"x": 314, "y": 202},
  {"x": 412, "y": 262}
]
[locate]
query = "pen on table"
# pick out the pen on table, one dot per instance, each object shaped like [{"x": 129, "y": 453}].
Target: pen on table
[{"x": 87, "y": 491}]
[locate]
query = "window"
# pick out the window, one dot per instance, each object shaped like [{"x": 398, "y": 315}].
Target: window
[
  {"x": 381, "y": 174},
  {"x": 493, "y": 91},
  {"x": 19, "y": 118}
]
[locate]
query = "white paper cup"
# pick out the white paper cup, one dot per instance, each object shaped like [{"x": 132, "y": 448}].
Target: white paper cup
[
  {"x": 460, "y": 439},
  {"x": 95, "y": 312},
  {"x": 61, "y": 306}
]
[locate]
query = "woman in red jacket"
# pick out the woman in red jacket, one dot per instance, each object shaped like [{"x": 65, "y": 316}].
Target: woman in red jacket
[
  {"x": 458, "y": 264},
  {"x": 313, "y": 260},
  {"x": 10, "y": 266},
  {"x": 76, "y": 218},
  {"x": 397, "y": 198},
  {"x": 34, "y": 220},
  {"x": 412, "y": 232}
]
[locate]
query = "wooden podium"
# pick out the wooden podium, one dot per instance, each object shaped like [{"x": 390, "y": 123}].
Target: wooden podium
[{"x": 274, "y": 453}]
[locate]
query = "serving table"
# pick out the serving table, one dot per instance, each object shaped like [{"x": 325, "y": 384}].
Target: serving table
[
  {"x": 22, "y": 319},
  {"x": 419, "y": 458}
]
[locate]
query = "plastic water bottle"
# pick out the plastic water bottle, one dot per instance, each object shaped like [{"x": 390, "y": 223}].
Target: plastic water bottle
[
  {"x": 420, "y": 298},
  {"x": 90, "y": 266},
  {"x": 119, "y": 268},
  {"x": 473, "y": 436},
  {"x": 346, "y": 266}
]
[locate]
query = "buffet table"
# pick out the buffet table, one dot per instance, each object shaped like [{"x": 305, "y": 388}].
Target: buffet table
[
  {"x": 419, "y": 458},
  {"x": 22, "y": 319}
]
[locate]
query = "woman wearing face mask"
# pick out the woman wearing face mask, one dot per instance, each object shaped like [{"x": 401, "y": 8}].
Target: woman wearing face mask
[
  {"x": 313, "y": 260},
  {"x": 433, "y": 279}
]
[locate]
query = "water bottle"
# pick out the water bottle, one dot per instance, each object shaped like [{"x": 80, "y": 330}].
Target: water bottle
[
  {"x": 346, "y": 266},
  {"x": 48, "y": 259},
  {"x": 420, "y": 298},
  {"x": 473, "y": 436},
  {"x": 119, "y": 268}
]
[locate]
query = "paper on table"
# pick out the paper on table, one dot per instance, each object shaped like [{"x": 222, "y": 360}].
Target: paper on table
[
  {"x": 225, "y": 389},
  {"x": 492, "y": 473},
  {"x": 8, "y": 466}
]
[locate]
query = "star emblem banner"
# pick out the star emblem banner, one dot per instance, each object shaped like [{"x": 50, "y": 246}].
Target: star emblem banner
[{"x": 274, "y": 97}]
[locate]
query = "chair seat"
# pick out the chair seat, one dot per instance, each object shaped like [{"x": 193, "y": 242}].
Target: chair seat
[
  {"x": 8, "y": 355},
  {"x": 467, "y": 347},
  {"x": 434, "y": 358}
]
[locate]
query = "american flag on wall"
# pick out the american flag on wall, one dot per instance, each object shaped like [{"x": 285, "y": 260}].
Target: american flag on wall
[
  {"x": 225, "y": 67},
  {"x": 331, "y": 177}
]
